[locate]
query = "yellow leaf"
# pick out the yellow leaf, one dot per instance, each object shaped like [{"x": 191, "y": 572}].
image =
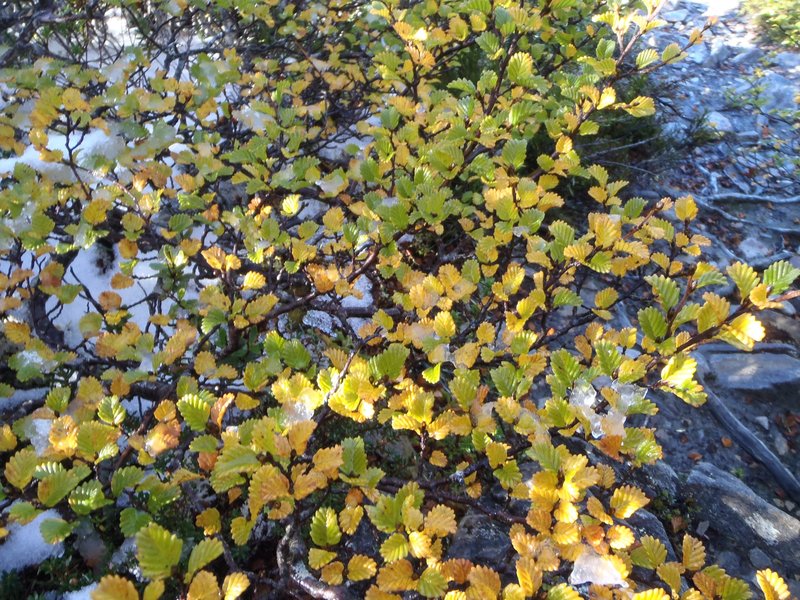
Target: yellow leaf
[
  {"x": 234, "y": 585},
  {"x": 349, "y": 518},
  {"x": 154, "y": 590},
  {"x": 397, "y": 577},
  {"x": 332, "y": 574},
  {"x": 772, "y": 585},
  {"x": 318, "y": 558},
  {"x": 204, "y": 587},
  {"x": 626, "y": 500},
  {"x": 694, "y": 554},
  {"x": 254, "y": 281},
  {"x": 441, "y": 520},
  {"x": 361, "y": 567},
  {"x": 114, "y": 587}
]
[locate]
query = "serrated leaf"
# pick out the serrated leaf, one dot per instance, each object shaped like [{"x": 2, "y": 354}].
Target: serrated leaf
[
  {"x": 202, "y": 554},
  {"x": 234, "y": 585},
  {"x": 157, "y": 551},
  {"x": 114, "y": 587},
  {"x": 325, "y": 528},
  {"x": 780, "y": 275},
  {"x": 653, "y": 323},
  {"x": 195, "y": 411},
  {"x": 132, "y": 520},
  {"x": 55, "y": 530}
]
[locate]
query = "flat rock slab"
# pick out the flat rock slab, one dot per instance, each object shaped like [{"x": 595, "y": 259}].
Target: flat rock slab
[
  {"x": 745, "y": 519},
  {"x": 756, "y": 372}
]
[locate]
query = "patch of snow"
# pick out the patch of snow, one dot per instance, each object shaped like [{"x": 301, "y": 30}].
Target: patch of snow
[
  {"x": 84, "y": 593},
  {"x": 38, "y": 432},
  {"x": 320, "y": 320},
  {"x": 24, "y": 545},
  {"x": 594, "y": 568},
  {"x": 20, "y": 396}
]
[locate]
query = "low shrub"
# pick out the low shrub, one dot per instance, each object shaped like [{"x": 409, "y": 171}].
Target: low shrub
[{"x": 282, "y": 299}]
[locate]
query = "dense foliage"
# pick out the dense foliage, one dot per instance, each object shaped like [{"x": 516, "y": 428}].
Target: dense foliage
[
  {"x": 251, "y": 250},
  {"x": 779, "y": 19}
]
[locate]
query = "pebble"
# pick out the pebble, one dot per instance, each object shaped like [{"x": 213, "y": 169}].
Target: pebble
[
  {"x": 763, "y": 421},
  {"x": 781, "y": 445},
  {"x": 759, "y": 559}
]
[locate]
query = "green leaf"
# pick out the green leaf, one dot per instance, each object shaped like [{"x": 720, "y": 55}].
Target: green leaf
[
  {"x": 744, "y": 277},
  {"x": 354, "y": 457},
  {"x": 295, "y": 355},
  {"x": 126, "y": 477},
  {"x": 565, "y": 367},
  {"x": 520, "y": 68},
  {"x": 432, "y": 584},
  {"x": 132, "y": 520},
  {"x": 646, "y": 57},
  {"x": 653, "y": 323},
  {"x": 514, "y": 152},
  {"x": 666, "y": 289},
  {"x": 325, "y": 528},
  {"x": 55, "y": 530},
  {"x": 391, "y": 361},
  {"x": 195, "y": 411},
  {"x": 780, "y": 275},
  {"x": 394, "y": 548},
  {"x": 87, "y": 498},
  {"x": 202, "y": 554},
  {"x": 111, "y": 411},
  {"x": 157, "y": 550}
]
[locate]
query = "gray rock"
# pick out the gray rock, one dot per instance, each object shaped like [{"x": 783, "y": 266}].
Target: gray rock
[
  {"x": 756, "y": 372},
  {"x": 781, "y": 445},
  {"x": 747, "y": 56},
  {"x": 736, "y": 513},
  {"x": 759, "y": 559},
  {"x": 643, "y": 522},
  {"x": 718, "y": 122},
  {"x": 763, "y": 421},
  {"x": 778, "y": 92},
  {"x": 752, "y": 247},
  {"x": 720, "y": 53},
  {"x": 698, "y": 54},
  {"x": 480, "y": 540},
  {"x": 786, "y": 60},
  {"x": 677, "y": 16},
  {"x": 659, "y": 479},
  {"x": 730, "y": 562}
]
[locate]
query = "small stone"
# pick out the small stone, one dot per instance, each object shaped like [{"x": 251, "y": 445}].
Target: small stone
[
  {"x": 720, "y": 52},
  {"x": 786, "y": 60},
  {"x": 763, "y": 421},
  {"x": 759, "y": 559},
  {"x": 756, "y": 373},
  {"x": 748, "y": 56},
  {"x": 718, "y": 122},
  {"x": 781, "y": 445},
  {"x": 677, "y": 16},
  {"x": 790, "y": 505},
  {"x": 736, "y": 513},
  {"x": 729, "y": 561},
  {"x": 748, "y": 136},
  {"x": 752, "y": 247},
  {"x": 779, "y": 93}
]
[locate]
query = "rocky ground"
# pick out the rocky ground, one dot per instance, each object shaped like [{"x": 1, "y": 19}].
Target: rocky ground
[
  {"x": 729, "y": 116},
  {"x": 732, "y": 101}
]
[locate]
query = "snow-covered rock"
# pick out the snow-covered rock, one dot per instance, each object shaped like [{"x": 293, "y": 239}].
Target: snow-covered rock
[{"x": 24, "y": 545}]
